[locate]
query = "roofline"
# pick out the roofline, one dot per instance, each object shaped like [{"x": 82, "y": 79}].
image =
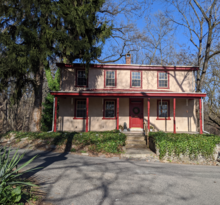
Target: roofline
[
  {"x": 130, "y": 67},
  {"x": 127, "y": 94}
]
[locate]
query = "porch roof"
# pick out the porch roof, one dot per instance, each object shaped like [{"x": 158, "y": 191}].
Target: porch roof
[{"x": 128, "y": 93}]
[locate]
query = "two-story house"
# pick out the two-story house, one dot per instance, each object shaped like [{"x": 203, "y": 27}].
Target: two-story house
[{"x": 137, "y": 96}]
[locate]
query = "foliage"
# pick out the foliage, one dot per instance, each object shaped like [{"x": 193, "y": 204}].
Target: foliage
[
  {"x": 47, "y": 115},
  {"x": 11, "y": 187},
  {"x": 107, "y": 141},
  {"x": 34, "y": 32},
  {"x": 190, "y": 144}
]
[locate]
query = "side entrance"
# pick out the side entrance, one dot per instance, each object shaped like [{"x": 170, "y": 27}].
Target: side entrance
[{"x": 136, "y": 113}]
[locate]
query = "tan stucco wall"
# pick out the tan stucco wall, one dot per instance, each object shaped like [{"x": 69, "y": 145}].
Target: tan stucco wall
[
  {"x": 180, "y": 81},
  {"x": 185, "y": 115}
]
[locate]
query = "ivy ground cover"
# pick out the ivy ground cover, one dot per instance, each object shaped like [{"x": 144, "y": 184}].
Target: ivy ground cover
[
  {"x": 106, "y": 142},
  {"x": 190, "y": 144}
]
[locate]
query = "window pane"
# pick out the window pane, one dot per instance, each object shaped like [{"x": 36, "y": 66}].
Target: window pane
[
  {"x": 110, "y": 78},
  {"x": 163, "y": 110},
  {"x": 136, "y": 79},
  {"x": 81, "y": 78},
  {"x": 80, "y": 108},
  {"x": 109, "y": 109}
]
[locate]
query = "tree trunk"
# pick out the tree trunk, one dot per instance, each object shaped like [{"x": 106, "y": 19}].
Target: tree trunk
[{"x": 35, "y": 124}]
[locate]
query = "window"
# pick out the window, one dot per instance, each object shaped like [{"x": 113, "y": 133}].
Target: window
[
  {"x": 110, "y": 78},
  {"x": 80, "y": 109},
  {"x": 135, "y": 79},
  {"x": 163, "y": 80},
  {"x": 109, "y": 109},
  {"x": 163, "y": 110},
  {"x": 81, "y": 78}
]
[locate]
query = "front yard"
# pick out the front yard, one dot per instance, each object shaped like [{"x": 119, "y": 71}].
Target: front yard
[{"x": 95, "y": 142}]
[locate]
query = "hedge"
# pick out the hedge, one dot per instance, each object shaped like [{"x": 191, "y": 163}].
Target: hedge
[{"x": 191, "y": 144}]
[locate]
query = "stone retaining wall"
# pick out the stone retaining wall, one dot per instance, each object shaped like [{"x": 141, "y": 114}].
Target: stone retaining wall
[{"x": 185, "y": 158}]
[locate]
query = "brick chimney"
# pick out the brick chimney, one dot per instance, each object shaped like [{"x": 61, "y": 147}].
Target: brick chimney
[{"x": 128, "y": 58}]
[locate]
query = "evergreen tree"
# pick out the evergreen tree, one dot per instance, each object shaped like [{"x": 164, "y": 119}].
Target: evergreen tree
[
  {"x": 47, "y": 115},
  {"x": 33, "y": 31}
]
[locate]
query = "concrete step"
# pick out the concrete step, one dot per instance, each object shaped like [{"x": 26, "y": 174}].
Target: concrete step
[
  {"x": 141, "y": 138},
  {"x": 136, "y": 146},
  {"x": 135, "y": 142},
  {"x": 144, "y": 153},
  {"x": 134, "y": 133}
]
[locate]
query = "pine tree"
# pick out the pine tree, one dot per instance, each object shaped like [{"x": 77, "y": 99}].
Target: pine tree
[
  {"x": 47, "y": 115},
  {"x": 34, "y": 31}
]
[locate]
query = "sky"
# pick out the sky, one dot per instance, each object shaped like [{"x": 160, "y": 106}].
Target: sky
[{"x": 157, "y": 6}]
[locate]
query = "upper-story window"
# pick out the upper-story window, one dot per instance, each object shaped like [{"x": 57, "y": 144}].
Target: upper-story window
[
  {"x": 110, "y": 78},
  {"x": 136, "y": 79},
  {"x": 163, "y": 80},
  {"x": 81, "y": 80}
]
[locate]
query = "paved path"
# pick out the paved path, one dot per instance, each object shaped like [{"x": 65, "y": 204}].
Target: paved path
[{"x": 80, "y": 180}]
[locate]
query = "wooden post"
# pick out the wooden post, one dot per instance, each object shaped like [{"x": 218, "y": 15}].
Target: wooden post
[
  {"x": 117, "y": 117},
  {"x": 55, "y": 116},
  {"x": 174, "y": 115},
  {"x": 87, "y": 114},
  {"x": 148, "y": 114},
  {"x": 200, "y": 115}
]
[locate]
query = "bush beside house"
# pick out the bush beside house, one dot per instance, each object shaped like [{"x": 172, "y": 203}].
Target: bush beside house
[{"x": 200, "y": 149}]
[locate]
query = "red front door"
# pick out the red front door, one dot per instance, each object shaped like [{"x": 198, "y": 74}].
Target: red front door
[{"x": 136, "y": 113}]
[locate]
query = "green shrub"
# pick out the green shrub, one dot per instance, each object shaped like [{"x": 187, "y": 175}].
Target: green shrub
[
  {"x": 73, "y": 150},
  {"x": 191, "y": 144},
  {"x": 11, "y": 187},
  {"x": 106, "y": 141}
]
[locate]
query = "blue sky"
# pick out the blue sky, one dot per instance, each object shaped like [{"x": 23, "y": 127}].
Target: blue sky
[{"x": 180, "y": 37}]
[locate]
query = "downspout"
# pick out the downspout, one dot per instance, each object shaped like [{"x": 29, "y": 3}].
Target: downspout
[
  {"x": 203, "y": 119},
  {"x": 53, "y": 115}
]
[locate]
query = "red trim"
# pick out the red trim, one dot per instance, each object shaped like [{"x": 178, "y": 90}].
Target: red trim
[
  {"x": 78, "y": 118},
  {"x": 131, "y": 79},
  {"x": 117, "y": 114},
  {"x": 174, "y": 115},
  {"x": 120, "y": 94},
  {"x": 148, "y": 114},
  {"x": 168, "y": 80},
  {"x": 168, "y": 118},
  {"x": 115, "y": 79},
  {"x": 87, "y": 114},
  {"x": 129, "y": 67},
  {"x": 200, "y": 115},
  {"x": 76, "y": 82},
  {"x": 109, "y": 118},
  {"x": 55, "y": 116},
  {"x": 130, "y": 100}
]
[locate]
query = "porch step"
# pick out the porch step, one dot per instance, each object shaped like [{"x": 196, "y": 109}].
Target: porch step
[
  {"x": 134, "y": 134},
  {"x": 131, "y": 138},
  {"x": 136, "y": 146},
  {"x": 141, "y": 153},
  {"x": 136, "y": 142}
]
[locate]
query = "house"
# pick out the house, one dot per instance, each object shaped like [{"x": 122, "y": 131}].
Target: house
[{"x": 135, "y": 96}]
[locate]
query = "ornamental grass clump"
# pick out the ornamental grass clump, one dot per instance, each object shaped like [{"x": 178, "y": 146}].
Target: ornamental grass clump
[{"x": 186, "y": 144}]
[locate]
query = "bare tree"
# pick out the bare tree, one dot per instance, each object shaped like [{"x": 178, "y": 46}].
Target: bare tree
[{"x": 122, "y": 16}]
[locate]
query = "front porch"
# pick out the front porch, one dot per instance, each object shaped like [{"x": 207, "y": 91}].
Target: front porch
[{"x": 169, "y": 112}]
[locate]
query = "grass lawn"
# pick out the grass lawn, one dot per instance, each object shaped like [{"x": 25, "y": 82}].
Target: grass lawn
[
  {"x": 106, "y": 142},
  {"x": 192, "y": 144}
]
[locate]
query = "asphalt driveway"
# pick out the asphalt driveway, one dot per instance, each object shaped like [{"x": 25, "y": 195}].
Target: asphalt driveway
[{"x": 80, "y": 180}]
